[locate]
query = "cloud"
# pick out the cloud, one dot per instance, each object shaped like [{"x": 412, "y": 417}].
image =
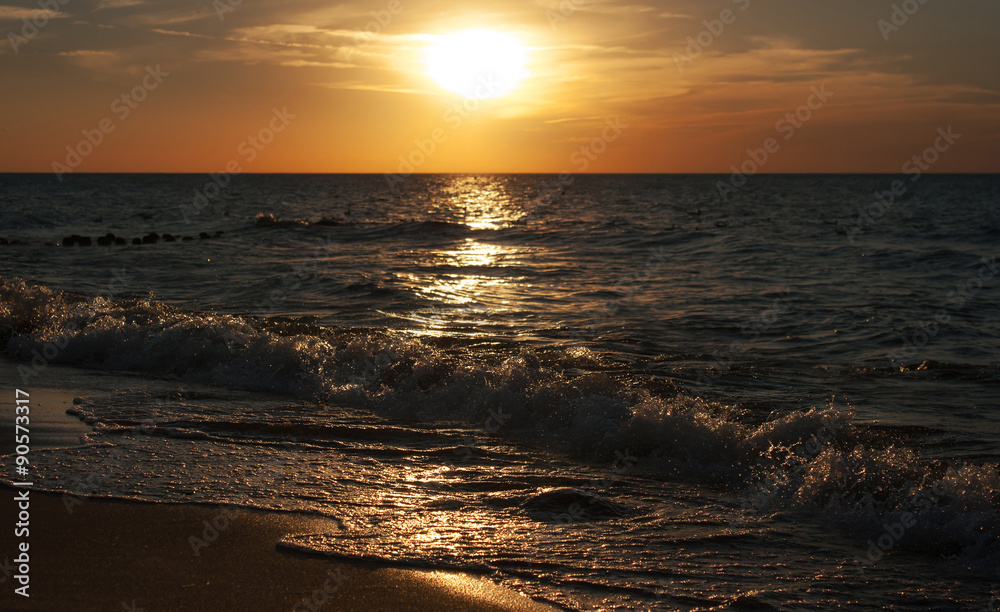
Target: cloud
[
  {"x": 611, "y": 8},
  {"x": 17, "y": 13},
  {"x": 150, "y": 16},
  {"x": 306, "y": 46},
  {"x": 101, "y": 61},
  {"x": 116, "y": 4},
  {"x": 307, "y": 63},
  {"x": 293, "y": 35},
  {"x": 568, "y": 7},
  {"x": 370, "y": 87}
]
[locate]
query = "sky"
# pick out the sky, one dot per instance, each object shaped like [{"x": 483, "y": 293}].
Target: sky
[{"x": 674, "y": 86}]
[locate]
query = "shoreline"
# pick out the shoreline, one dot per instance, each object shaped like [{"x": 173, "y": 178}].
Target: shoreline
[
  {"x": 50, "y": 425},
  {"x": 104, "y": 554},
  {"x": 93, "y": 553}
]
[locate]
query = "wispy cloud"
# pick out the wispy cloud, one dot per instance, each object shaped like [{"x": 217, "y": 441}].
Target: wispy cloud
[
  {"x": 17, "y": 13},
  {"x": 116, "y": 4},
  {"x": 100, "y": 61}
]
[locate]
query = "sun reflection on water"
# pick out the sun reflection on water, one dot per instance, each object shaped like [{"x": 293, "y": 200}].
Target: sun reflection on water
[
  {"x": 484, "y": 203},
  {"x": 471, "y": 273},
  {"x": 476, "y": 284},
  {"x": 471, "y": 287}
]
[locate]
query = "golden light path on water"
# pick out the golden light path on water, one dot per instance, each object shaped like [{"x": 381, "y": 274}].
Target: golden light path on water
[
  {"x": 477, "y": 283},
  {"x": 483, "y": 203},
  {"x": 470, "y": 283},
  {"x": 470, "y": 288}
]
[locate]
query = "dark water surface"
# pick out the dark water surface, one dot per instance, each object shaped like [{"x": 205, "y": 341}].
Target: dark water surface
[{"x": 626, "y": 394}]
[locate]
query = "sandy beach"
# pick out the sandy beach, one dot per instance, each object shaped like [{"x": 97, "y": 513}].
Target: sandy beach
[{"x": 113, "y": 555}]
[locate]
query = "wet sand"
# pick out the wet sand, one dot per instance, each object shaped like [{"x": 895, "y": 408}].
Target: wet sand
[{"x": 117, "y": 555}]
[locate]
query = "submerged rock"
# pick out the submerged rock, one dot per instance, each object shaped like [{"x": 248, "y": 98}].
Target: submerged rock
[{"x": 76, "y": 239}]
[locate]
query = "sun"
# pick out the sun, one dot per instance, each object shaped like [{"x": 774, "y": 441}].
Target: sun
[{"x": 477, "y": 63}]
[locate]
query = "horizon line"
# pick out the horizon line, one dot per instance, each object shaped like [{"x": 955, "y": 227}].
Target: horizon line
[{"x": 813, "y": 173}]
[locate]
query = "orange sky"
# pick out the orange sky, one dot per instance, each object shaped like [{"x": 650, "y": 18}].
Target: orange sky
[{"x": 361, "y": 102}]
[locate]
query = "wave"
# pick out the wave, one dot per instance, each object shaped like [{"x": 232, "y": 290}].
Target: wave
[
  {"x": 268, "y": 220},
  {"x": 385, "y": 229},
  {"x": 816, "y": 462},
  {"x": 368, "y": 230}
]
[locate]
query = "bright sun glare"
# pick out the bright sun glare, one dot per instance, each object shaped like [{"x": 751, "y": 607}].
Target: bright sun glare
[{"x": 477, "y": 63}]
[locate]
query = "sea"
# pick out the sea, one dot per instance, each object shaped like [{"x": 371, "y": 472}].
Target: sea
[{"x": 607, "y": 392}]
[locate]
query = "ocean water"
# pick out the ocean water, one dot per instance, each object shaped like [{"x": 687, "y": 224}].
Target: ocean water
[{"x": 620, "y": 394}]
